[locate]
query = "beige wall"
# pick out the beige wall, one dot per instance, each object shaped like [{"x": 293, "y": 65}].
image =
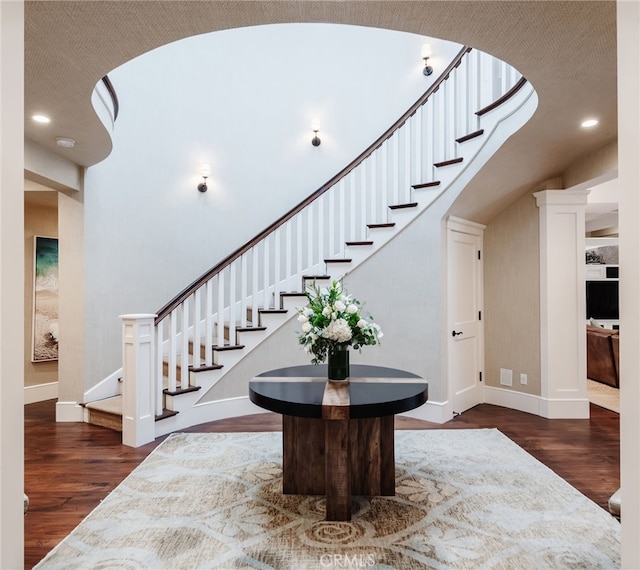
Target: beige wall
[
  {"x": 38, "y": 221},
  {"x": 600, "y": 162},
  {"x": 512, "y": 296}
]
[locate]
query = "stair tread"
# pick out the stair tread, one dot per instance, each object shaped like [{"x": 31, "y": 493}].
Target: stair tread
[
  {"x": 401, "y": 206},
  {"x": 337, "y": 260},
  {"x": 382, "y": 225},
  {"x": 448, "y": 162},
  {"x": 470, "y": 136},
  {"x": 228, "y": 347},
  {"x": 426, "y": 185},
  {"x": 109, "y": 405},
  {"x": 272, "y": 310},
  {"x": 179, "y": 390},
  {"x": 309, "y": 277},
  {"x": 166, "y": 414},
  {"x": 349, "y": 243}
]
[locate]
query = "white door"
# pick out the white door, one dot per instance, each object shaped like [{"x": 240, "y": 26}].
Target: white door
[{"x": 464, "y": 294}]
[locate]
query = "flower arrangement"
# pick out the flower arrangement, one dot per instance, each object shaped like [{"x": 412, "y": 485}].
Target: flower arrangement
[{"x": 333, "y": 320}]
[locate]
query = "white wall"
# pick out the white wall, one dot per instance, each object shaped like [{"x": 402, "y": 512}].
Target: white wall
[
  {"x": 12, "y": 284},
  {"x": 243, "y": 101},
  {"x": 629, "y": 180}
]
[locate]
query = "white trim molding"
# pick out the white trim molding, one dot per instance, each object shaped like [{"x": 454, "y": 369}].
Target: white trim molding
[
  {"x": 563, "y": 353},
  {"x": 430, "y": 411},
  {"x": 40, "y": 392},
  {"x": 69, "y": 412},
  {"x": 566, "y": 408}
]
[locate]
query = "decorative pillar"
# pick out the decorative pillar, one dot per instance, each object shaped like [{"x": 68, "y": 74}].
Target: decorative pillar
[
  {"x": 563, "y": 367},
  {"x": 138, "y": 413}
]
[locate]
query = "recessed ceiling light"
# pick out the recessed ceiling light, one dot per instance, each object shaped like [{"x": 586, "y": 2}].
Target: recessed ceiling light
[
  {"x": 41, "y": 119},
  {"x": 65, "y": 142},
  {"x": 588, "y": 123}
]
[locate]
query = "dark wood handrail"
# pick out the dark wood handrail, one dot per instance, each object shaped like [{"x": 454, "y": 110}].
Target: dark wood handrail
[
  {"x": 171, "y": 305},
  {"x": 114, "y": 96},
  {"x": 504, "y": 98}
]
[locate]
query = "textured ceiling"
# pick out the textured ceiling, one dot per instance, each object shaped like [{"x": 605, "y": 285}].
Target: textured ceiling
[{"x": 566, "y": 49}]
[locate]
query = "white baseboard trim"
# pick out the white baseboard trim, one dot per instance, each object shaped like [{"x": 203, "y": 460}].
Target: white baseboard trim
[
  {"x": 570, "y": 408},
  {"x": 208, "y": 412},
  {"x": 40, "y": 392},
  {"x": 69, "y": 412},
  {"x": 565, "y": 409},
  {"x": 430, "y": 411}
]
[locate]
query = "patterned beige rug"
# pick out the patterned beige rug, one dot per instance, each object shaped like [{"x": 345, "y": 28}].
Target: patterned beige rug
[{"x": 465, "y": 499}]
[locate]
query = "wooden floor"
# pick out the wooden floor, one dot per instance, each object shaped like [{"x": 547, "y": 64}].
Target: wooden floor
[{"x": 71, "y": 467}]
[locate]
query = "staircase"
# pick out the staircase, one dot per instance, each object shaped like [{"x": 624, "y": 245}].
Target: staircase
[{"x": 175, "y": 357}]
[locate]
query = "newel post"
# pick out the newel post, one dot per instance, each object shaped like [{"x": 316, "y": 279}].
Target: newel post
[{"x": 138, "y": 413}]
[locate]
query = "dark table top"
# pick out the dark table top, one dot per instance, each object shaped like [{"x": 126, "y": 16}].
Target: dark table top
[{"x": 374, "y": 391}]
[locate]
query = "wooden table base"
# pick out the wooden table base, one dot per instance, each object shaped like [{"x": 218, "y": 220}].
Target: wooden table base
[{"x": 338, "y": 458}]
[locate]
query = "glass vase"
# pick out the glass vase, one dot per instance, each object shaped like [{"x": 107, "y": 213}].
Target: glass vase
[{"x": 338, "y": 363}]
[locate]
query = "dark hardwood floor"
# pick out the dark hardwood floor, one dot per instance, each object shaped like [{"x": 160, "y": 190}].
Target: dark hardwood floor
[{"x": 71, "y": 467}]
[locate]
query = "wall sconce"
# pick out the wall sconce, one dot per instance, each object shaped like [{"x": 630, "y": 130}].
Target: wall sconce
[
  {"x": 315, "y": 127},
  {"x": 426, "y": 54},
  {"x": 205, "y": 171}
]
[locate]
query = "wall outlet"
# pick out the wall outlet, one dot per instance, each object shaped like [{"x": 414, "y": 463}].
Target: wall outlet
[
  {"x": 523, "y": 378},
  {"x": 506, "y": 377}
]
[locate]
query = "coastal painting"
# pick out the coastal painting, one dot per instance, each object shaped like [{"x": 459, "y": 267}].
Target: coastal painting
[{"x": 45, "y": 299}]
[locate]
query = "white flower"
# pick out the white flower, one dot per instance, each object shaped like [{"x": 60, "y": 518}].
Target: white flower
[
  {"x": 338, "y": 330},
  {"x": 326, "y": 311},
  {"x": 340, "y": 306},
  {"x": 351, "y": 309},
  {"x": 308, "y": 311},
  {"x": 306, "y": 327},
  {"x": 302, "y": 318},
  {"x": 362, "y": 324}
]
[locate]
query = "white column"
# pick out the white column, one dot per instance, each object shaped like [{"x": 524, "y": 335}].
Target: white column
[
  {"x": 562, "y": 304},
  {"x": 11, "y": 284},
  {"x": 629, "y": 208},
  {"x": 138, "y": 417}
]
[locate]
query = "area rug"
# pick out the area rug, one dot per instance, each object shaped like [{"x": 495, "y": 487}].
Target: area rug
[
  {"x": 464, "y": 499},
  {"x": 604, "y": 396}
]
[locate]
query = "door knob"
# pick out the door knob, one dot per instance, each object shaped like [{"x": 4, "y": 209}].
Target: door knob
[{"x": 455, "y": 334}]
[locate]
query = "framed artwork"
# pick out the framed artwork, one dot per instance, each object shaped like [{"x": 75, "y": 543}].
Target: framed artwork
[{"x": 45, "y": 299}]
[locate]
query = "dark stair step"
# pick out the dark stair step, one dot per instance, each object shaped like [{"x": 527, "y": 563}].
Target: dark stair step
[
  {"x": 337, "y": 260},
  {"x": 448, "y": 162},
  {"x": 283, "y": 295},
  {"x": 226, "y": 347},
  {"x": 179, "y": 391},
  {"x": 470, "y": 136},
  {"x": 426, "y": 185},
  {"x": 204, "y": 368},
  {"x": 166, "y": 414},
  {"x": 402, "y": 206},
  {"x": 385, "y": 225},
  {"x": 250, "y": 329},
  {"x": 350, "y": 243}
]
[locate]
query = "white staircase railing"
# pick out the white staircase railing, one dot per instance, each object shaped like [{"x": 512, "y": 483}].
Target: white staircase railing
[{"x": 205, "y": 318}]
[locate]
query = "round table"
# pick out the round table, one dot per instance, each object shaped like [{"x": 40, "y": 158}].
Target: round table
[{"x": 338, "y": 437}]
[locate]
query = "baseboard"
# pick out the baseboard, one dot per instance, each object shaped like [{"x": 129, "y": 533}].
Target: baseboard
[
  {"x": 40, "y": 392},
  {"x": 69, "y": 412},
  {"x": 570, "y": 408},
  {"x": 565, "y": 409},
  {"x": 436, "y": 412}
]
